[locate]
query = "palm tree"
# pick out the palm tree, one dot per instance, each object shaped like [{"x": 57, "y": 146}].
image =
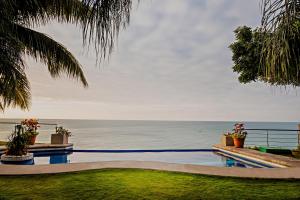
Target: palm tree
[
  {"x": 280, "y": 59},
  {"x": 99, "y": 20}
]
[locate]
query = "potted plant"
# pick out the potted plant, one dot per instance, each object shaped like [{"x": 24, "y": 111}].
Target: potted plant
[
  {"x": 61, "y": 136},
  {"x": 227, "y": 139},
  {"x": 239, "y": 135},
  {"x": 16, "y": 151},
  {"x": 31, "y": 126}
]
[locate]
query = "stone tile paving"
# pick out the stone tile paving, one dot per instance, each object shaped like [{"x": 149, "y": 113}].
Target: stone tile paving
[
  {"x": 273, "y": 173},
  {"x": 277, "y": 159}
]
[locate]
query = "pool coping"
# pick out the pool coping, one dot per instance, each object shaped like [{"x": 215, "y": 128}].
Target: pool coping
[
  {"x": 264, "y": 173},
  {"x": 44, "y": 147},
  {"x": 276, "y": 160}
]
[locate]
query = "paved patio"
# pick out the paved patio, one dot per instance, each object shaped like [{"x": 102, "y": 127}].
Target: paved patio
[
  {"x": 271, "y": 158},
  {"x": 273, "y": 173}
]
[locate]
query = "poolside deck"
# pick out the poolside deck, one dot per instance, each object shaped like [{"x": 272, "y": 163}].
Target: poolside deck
[
  {"x": 44, "y": 147},
  {"x": 261, "y": 156},
  {"x": 291, "y": 170},
  {"x": 265, "y": 173}
]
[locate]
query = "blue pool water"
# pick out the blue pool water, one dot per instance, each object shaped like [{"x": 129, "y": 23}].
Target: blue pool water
[{"x": 207, "y": 158}]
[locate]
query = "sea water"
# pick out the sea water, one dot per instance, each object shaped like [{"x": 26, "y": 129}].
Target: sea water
[{"x": 114, "y": 134}]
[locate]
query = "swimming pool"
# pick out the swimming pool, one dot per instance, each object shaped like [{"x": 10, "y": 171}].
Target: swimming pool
[{"x": 206, "y": 158}]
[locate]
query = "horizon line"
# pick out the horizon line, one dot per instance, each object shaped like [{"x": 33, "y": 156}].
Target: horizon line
[{"x": 158, "y": 120}]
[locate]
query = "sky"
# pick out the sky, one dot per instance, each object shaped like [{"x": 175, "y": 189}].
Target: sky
[{"x": 171, "y": 63}]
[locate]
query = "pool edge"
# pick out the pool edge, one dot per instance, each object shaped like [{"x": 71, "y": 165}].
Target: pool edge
[{"x": 264, "y": 173}]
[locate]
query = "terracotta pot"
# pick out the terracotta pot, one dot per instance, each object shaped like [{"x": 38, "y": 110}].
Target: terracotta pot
[
  {"x": 32, "y": 139},
  {"x": 239, "y": 142}
]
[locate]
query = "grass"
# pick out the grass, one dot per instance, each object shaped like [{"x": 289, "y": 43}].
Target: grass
[{"x": 143, "y": 184}]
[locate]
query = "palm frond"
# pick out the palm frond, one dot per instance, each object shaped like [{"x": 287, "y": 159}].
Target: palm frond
[
  {"x": 41, "y": 47},
  {"x": 100, "y": 20},
  {"x": 280, "y": 58},
  {"x": 277, "y": 12},
  {"x": 14, "y": 85}
]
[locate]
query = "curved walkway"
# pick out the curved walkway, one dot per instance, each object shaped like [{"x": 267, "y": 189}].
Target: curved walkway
[{"x": 273, "y": 173}]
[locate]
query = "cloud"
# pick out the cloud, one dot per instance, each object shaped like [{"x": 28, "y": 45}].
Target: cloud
[{"x": 171, "y": 63}]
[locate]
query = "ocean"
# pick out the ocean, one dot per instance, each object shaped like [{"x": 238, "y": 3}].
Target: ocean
[{"x": 116, "y": 134}]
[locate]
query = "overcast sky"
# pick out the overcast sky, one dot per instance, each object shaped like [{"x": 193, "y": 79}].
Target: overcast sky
[{"x": 171, "y": 63}]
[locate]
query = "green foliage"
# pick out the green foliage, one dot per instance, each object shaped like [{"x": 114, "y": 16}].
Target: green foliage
[
  {"x": 31, "y": 133},
  {"x": 14, "y": 85},
  {"x": 17, "y": 144},
  {"x": 143, "y": 184},
  {"x": 30, "y": 126},
  {"x": 239, "y": 135},
  {"x": 99, "y": 20},
  {"x": 62, "y": 131},
  {"x": 247, "y": 54},
  {"x": 239, "y": 131},
  {"x": 281, "y": 54},
  {"x": 271, "y": 53}
]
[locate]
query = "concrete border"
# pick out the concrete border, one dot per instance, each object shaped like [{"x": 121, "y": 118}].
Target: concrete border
[
  {"x": 44, "y": 147},
  {"x": 238, "y": 156},
  {"x": 265, "y": 173},
  {"x": 280, "y": 161}
]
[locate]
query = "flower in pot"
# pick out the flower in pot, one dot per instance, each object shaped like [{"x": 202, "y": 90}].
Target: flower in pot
[
  {"x": 31, "y": 126},
  {"x": 16, "y": 147},
  {"x": 239, "y": 135},
  {"x": 61, "y": 136}
]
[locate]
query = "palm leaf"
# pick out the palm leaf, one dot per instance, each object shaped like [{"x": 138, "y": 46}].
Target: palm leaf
[
  {"x": 14, "y": 86},
  {"x": 100, "y": 20},
  {"x": 280, "y": 60},
  {"x": 58, "y": 59}
]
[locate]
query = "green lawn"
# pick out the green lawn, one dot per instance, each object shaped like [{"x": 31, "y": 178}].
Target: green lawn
[{"x": 143, "y": 184}]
